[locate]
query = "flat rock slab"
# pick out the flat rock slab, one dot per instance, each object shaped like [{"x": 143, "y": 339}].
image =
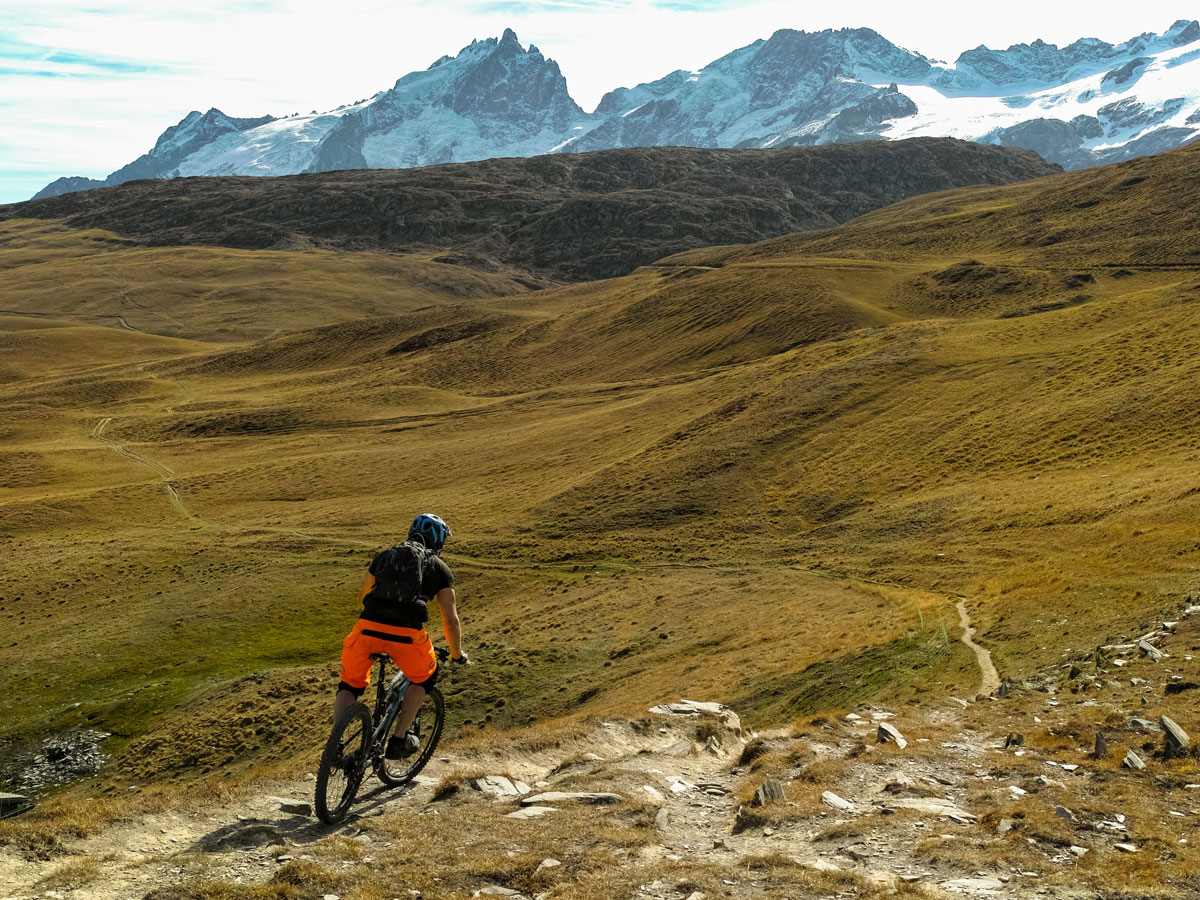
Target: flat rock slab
[
  {"x": 829, "y": 798},
  {"x": 973, "y": 885},
  {"x": 499, "y": 786},
  {"x": 933, "y": 807},
  {"x": 822, "y": 865},
  {"x": 1149, "y": 650},
  {"x": 697, "y": 708},
  {"x": 889, "y": 732},
  {"x": 531, "y": 812},
  {"x": 571, "y": 796},
  {"x": 679, "y": 749}
]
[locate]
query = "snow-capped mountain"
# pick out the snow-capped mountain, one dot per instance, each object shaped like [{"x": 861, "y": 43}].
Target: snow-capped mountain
[{"x": 1083, "y": 104}]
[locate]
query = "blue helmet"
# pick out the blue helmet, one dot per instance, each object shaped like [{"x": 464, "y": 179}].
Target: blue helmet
[{"x": 430, "y": 530}]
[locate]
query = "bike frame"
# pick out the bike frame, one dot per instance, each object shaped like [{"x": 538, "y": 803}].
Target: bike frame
[{"x": 388, "y": 699}]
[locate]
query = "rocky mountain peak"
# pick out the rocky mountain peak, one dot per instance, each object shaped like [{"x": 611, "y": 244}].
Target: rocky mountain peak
[{"x": 1184, "y": 31}]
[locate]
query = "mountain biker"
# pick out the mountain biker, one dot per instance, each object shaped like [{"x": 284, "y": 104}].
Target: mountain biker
[{"x": 395, "y": 625}]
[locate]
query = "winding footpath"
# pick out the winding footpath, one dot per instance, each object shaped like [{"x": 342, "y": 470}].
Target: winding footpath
[
  {"x": 990, "y": 677},
  {"x": 166, "y": 476}
]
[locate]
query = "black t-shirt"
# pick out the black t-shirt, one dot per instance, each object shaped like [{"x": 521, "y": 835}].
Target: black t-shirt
[{"x": 435, "y": 577}]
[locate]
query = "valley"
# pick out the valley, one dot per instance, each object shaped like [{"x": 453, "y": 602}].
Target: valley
[{"x": 769, "y": 474}]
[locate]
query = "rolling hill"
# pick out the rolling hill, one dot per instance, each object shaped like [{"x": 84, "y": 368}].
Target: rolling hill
[
  {"x": 748, "y": 472},
  {"x": 573, "y": 217}
]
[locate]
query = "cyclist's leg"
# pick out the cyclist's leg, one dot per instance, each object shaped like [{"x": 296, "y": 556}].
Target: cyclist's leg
[
  {"x": 356, "y": 669},
  {"x": 413, "y": 698}
]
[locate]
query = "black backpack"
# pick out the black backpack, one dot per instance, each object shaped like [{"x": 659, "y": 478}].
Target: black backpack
[{"x": 399, "y": 572}]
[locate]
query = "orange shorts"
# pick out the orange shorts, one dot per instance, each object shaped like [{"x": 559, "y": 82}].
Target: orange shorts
[{"x": 410, "y": 649}]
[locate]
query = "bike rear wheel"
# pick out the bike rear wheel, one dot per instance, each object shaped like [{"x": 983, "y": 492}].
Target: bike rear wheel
[
  {"x": 428, "y": 728},
  {"x": 343, "y": 763}
]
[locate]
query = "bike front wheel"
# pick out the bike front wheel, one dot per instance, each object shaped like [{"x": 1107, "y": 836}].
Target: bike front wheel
[
  {"x": 427, "y": 726},
  {"x": 343, "y": 763}
]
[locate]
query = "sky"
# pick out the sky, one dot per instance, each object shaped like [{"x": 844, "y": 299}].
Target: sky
[{"x": 87, "y": 86}]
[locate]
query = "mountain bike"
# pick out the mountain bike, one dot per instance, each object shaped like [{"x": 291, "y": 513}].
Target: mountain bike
[{"x": 360, "y": 736}]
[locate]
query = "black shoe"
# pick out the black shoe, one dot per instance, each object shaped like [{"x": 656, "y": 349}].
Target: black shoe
[{"x": 402, "y": 747}]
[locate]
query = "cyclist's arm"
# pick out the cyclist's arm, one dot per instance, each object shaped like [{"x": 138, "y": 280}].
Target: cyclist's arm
[
  {"x": 368, "y": 582},
  {"x": 450, "y": 621}
]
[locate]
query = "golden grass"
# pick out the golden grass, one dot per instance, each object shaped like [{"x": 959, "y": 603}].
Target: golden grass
[{"x": 764, "y": 482}]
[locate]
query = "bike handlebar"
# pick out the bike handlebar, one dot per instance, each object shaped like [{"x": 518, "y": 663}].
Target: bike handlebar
[{"x": 443, "y": 655}]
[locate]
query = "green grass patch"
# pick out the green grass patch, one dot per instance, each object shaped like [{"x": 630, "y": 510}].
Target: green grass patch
[{"x": 888, "y": 671}]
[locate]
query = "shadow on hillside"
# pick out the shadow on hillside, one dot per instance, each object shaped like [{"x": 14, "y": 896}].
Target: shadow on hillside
[{"x": 249, "y": 833}]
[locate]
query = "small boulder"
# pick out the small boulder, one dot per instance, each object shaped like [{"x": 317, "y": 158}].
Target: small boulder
[
  {"x": 1150, "y": 651},
  {"x": 771, "y": 791},
  {"x": 1177, "y": 740},
  {"x": 1133, "y": 761},
  {"x": 1101, "y": 749}
]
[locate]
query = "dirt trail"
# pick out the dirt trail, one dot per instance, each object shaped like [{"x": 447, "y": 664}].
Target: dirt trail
[
  {"x": 187, "y": 395},
  {"x": 689, "y": 776},
  {"x": 990, "y": 677},
  {"x": 166, "y": 476}
]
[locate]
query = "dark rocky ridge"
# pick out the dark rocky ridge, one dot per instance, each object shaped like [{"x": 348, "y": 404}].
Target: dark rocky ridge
[{"x": 571, "y": 217}]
